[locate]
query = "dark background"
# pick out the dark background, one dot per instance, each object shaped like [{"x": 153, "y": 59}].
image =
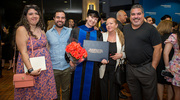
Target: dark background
[{"x": 11, "y": 10}]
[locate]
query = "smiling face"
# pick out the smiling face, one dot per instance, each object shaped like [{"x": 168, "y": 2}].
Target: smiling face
[
  {"x": 91, "y": 21},
  {"x": 32, "y": 17},
  {"x": 71, "y": 23},
  {"x": 59, "y": 19},
  {"x": 122, "y": 16},
  {"x": 111, "y": 25},
  {"x": 149, "y": 20},
  {"x": 136, "y": 17}
]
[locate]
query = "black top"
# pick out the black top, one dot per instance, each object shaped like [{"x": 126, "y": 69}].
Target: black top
[
  {"x": 164, "y": 37},
  {"x": 120, "y": 25},
  {"x": 112, "y": 51},
  {"x": 139, "y": 42},
  {"x": 161, "y": 65}
]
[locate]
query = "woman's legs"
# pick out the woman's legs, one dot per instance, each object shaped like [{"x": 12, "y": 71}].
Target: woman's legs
[
  {"x": 10, "y": 64},
  {"x": 170, "y": 92},
  {"x": 176, "y": 92},
  {"x": 3, "y": 62},
  {"x": 160, "y": 90}
]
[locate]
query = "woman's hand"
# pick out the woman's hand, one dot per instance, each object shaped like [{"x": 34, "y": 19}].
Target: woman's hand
[
  {"x": 36, "y": 72},
  {"x": 104, "y": 61},
  {"x": 116, "y": 56}
]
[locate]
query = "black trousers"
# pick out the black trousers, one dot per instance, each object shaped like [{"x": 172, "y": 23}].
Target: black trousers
[
  {"x": 109, "y": 89},
  {"x": 0, "y": 60},
  {"x": 142, "y": 81}
]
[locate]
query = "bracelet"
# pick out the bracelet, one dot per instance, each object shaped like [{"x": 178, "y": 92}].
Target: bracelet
[
  {"x": 30, "y": 70},
  {"x": 167, "y": 67}
]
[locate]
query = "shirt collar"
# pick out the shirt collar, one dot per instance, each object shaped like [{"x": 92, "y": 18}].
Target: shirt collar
[{"x": 53, "y": 28}]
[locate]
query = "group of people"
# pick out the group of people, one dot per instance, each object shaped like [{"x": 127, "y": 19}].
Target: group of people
[
  {"x": 167, "y": 30},
  {"x": 139, "y": 42}
]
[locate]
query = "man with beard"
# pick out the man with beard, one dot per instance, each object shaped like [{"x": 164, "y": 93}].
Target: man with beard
[
  {"x": 57, "y": 38},
  {"x": 143, "y": 51}
]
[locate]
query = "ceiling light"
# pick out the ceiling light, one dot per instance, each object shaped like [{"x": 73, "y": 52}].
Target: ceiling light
[
  {"x": 24, "y": 1},
  {"x": 104, "y": 2},
  {"x": 65, "y": 1}
]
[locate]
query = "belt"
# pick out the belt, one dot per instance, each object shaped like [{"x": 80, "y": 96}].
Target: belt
[{"x": 139, "y": 65}]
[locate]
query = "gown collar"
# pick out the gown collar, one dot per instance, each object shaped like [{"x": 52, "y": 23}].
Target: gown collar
[{"x": 83, "y": 27}]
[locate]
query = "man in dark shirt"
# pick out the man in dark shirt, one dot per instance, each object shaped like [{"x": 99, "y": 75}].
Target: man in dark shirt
[
  {"x": 103, "y": 23},
  {"x": 143, "y": 51},
  {"x": 121, "y": 19}
]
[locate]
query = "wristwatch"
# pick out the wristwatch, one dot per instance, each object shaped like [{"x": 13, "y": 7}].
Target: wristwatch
[{"x": 30, "y": 70}]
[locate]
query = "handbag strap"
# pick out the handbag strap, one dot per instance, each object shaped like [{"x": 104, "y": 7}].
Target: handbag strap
[{"x": 32, "y": 47}]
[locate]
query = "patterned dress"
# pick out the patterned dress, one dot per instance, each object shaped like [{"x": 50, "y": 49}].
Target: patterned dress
[
  {"x": 175, "y": 62},
  {"x": 45, "y": 87}
]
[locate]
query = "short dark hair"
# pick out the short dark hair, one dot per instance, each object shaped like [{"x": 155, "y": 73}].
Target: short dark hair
[
  {"x": 137, "y": 6},
  {"x": 165, "y": 16},
  {"x": 93, "y": 13},
  {"x": 103, "y": 16},
  {"x": 147, "y": 17},
  {"x": 153, "y": 20},
  {"x": 59, "y": 10},
  {"x": 175, "y": 24}
]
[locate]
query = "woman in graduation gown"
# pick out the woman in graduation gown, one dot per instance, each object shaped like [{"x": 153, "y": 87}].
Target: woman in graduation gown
[{"x": 85, "y": 85}]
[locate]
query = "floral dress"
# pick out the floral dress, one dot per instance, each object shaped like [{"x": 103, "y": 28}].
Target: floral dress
[
  {"x": 45, "y": 87},
  {"x": 175, "y": 62}
]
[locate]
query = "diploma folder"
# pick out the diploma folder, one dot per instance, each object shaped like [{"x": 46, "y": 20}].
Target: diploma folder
[{"x": 97, "y": 50}]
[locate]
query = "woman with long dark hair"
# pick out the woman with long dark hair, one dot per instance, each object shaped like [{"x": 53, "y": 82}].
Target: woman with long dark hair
[{"x": 30, "y": 33}]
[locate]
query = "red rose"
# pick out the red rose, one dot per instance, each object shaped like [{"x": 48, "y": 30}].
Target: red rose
[{"x": 76, "y": 52}]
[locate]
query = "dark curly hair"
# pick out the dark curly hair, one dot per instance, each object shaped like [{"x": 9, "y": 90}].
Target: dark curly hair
[{"x": 24, "y": 22}]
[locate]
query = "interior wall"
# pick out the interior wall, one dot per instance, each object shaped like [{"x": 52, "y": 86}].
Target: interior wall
[{"x": 159, "y": 8}]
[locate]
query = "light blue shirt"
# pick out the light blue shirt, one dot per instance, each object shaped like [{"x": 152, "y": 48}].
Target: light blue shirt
[{"x": 57, "y": 47}]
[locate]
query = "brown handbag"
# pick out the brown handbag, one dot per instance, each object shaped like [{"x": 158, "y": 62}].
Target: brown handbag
[{"x": 22, "y": 80}]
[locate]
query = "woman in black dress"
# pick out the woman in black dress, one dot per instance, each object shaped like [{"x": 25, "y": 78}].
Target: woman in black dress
[
  {"x": 109, "y": 89},
  {"x": 165, "y": 29}
]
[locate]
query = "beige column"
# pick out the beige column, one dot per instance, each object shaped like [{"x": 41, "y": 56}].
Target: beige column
[{"x": 85, "y": 6}]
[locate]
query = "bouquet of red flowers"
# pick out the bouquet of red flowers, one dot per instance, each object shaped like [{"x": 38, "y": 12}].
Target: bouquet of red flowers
[{"x": 75, "y": 52}]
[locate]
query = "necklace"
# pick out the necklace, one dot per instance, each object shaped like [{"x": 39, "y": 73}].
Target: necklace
[{"x": 112, "y": 38}]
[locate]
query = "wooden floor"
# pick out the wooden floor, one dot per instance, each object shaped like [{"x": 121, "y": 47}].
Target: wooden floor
[
  {"x": 6, "y": 85},
  {"x": 7, "y": 89}
]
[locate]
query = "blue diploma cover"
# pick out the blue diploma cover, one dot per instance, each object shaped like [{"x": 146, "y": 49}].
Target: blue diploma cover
[{"x": 97, "y": 50}]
